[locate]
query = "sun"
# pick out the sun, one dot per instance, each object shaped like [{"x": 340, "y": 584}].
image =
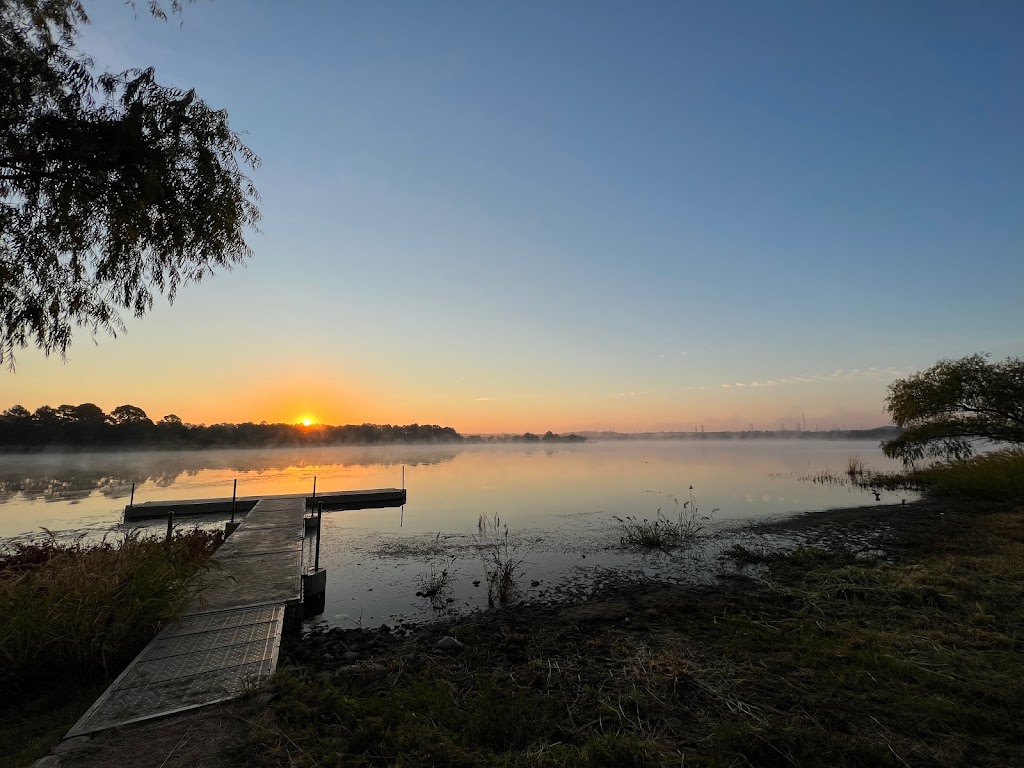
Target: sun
[{"x": 307, "y": 422}]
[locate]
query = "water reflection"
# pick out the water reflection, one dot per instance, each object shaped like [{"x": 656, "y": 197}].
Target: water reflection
[
  {"x": 70, "y": 477},
  {"x": 532, "y": 486}
]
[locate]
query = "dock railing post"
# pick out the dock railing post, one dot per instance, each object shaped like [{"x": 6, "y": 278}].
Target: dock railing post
[
  {"x": 131, "y": 502},
  {"x": 319, "y": 525},
  {"x": 234, "y": 495},
  {"x": 312, "y": 502},
  {"x": 170, "y": 526}
]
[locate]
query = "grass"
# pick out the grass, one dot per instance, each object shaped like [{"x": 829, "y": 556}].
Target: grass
[
  {"x": 73, "y": 615},
  {"x": 686, "y": 527}
]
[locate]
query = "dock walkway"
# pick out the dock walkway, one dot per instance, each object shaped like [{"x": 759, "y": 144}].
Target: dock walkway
[{"x": 230, "y": 635}]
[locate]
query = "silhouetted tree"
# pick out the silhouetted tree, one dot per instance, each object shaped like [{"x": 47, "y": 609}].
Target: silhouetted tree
[
  {"x": 129, "y": 414},
  {"x": 113, "y": 188},
  {"x": 955, "y": 402}
]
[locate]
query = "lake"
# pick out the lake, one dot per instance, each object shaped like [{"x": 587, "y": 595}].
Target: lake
[{"x": 559, "y": 502}]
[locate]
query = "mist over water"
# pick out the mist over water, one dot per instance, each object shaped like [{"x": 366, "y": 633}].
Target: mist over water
[{"x": 559, "y": 500}]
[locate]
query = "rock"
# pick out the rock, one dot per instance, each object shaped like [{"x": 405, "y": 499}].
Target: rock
[
  {"x": 350, "y": 656},
  {"x": 627, "y": 621},
  {"x": 327, "y": 657},
  {"x": 373, "y": 671},
  {"x": 476, "y": 582},
  {"x": 448, "y": 644},
  {"x": 342, "y": 673},
  {"x": 384, "y": 628},
  {"x": 534, "y": 583},
  {"x": 50, "y": 761}
]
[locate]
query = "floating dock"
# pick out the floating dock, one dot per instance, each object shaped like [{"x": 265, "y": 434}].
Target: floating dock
[
  {"x": 372, "y": 499},
  {"x": 231, "y": 634}
]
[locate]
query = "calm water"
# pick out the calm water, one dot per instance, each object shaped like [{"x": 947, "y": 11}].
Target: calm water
[{"x": 558, "y": 501}]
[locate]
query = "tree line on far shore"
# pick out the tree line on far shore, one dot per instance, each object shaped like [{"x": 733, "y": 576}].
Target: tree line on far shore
[{"x": 87, "y": 426}]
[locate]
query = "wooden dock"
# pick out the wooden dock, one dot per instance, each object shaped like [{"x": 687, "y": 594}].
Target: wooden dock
[
  {"x": 372, "y": 499},
  {"x": 231, "y": 634}
]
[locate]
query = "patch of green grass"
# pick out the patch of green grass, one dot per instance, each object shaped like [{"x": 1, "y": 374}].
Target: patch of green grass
[
  {"x": 987, "y": 477},
  {"x": 995, "y": 476}
]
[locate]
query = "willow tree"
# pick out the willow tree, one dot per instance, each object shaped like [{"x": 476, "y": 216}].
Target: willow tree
[
  {"x": 113, "y": 188},
  {"x": 954, "y": 404}
]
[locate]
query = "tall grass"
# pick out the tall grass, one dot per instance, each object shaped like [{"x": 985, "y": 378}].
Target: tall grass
[
  {"x": 71, "y": 610},
  {"x": 997, "y": 476}
]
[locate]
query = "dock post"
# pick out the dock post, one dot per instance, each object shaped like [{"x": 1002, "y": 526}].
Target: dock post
[
  {"x": 234, "y": 495},
  {"x": 131, "y": 502},
  {"x": 314, "y": 582},
  {"x": 312, "y": 502},
  {"x": 319, "y": 525},
  {"x": 170, "y": 526}
]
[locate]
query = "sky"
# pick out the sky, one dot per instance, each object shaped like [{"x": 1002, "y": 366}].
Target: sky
[{"x": 582, "y": 215}]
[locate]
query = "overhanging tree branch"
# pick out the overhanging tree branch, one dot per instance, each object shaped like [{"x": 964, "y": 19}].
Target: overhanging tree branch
[{"x": 114, "y": 188}]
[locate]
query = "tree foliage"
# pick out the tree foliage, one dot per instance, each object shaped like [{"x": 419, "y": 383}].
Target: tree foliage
[
  {"x": 955, "y": 403},
  {"x": 113, "y": 188}
]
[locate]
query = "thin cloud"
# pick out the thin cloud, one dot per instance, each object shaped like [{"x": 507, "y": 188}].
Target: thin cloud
[{"x": 840, "y": 374}]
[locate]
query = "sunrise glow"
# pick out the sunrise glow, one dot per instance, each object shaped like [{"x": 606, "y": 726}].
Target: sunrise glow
[{"x": 306, "y": 422}]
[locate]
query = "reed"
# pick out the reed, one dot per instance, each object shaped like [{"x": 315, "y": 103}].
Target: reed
[
  {"x": 686, "y": 527},
  {"x": 504, "y": 555}
]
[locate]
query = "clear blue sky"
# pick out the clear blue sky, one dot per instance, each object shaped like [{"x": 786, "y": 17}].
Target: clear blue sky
[{"x": 583, "y": 215}]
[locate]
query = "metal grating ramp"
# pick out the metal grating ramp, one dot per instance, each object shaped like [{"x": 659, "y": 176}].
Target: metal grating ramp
[{"x": 198, "y": 660}]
